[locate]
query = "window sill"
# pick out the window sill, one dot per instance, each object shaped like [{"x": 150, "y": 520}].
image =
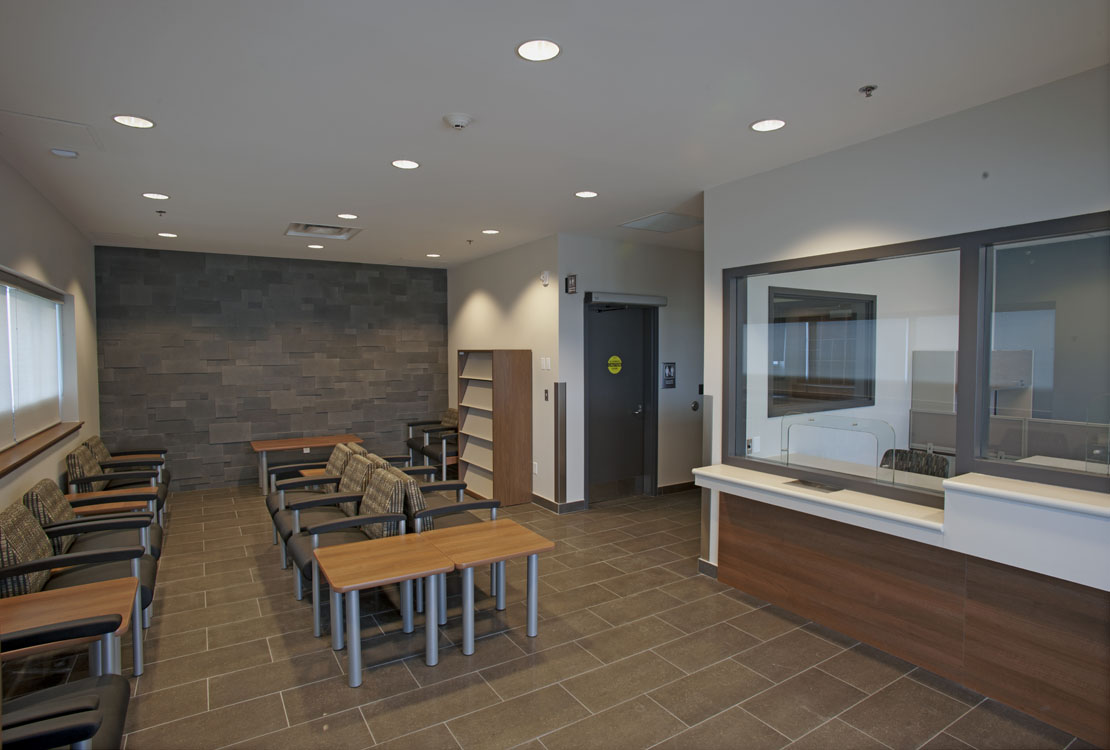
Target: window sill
[{"x": 23, "y": 451}]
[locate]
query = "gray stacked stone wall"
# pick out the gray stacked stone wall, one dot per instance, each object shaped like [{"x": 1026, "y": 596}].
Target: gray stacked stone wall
[{"x": 201, "y": 353}]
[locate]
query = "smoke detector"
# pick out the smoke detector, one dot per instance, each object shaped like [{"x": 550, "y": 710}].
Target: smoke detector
[{"x": 458, "y": 120}]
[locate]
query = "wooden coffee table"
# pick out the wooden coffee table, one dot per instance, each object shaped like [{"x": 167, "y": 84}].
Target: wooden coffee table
[
  {"x": 292, "y": 444},
  {"x": 112, "y": 597},
  {"x": 350, "y": 568},
  {"x": 491, "y": 543}
]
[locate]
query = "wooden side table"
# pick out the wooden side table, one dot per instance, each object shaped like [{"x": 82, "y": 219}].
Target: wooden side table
[
  {"x": 261, "y": 447},
  {"x": 112, "y": 597},
  {"x": 489, "y": 543},
  {"x": 350, "y": 568}
]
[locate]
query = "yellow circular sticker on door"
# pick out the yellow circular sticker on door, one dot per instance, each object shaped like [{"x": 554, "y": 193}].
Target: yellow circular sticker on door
[{"x": 615, "y": 364}]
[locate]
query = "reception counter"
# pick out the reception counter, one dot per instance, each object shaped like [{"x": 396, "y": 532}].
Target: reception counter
[{"x": 1005, "y": 590}]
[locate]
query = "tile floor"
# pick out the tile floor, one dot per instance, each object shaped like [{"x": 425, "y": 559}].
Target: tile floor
[{"x": 635, "y": 650}]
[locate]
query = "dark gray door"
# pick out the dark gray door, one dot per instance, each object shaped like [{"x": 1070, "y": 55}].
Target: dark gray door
[{"x": 620, "y": 404}]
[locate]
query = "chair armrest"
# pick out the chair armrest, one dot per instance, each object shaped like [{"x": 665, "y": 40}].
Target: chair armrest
[
  {"x": 441, "y": 429},
  {"x": 444, "y": 487},
  {"x": 123, "y": 462},
  {"x": 60, "y": 731},
  {"x": 433, "y": 470},
  {"x": 422, "y": 422},
  {"x": 115, "y": 475},
  {"x": 115, "y": 554},
  {"x": 53, "y": 632},
  {"x": 294, "y": 468},
  {"x": 70, "y": 704},
  {"x": 138, "y": 493},
  {"x": 346, "y": 523},
  {"x": 298, "y": 482},
  {"x": 447, "y": 510},
  {"x": 399, "y": 459},
  {"x": 104, "y": 523},
  {"x": 332, "y": 499},
  {"x": 112, "y": 509},
  {"x": 139, "y": 451}
]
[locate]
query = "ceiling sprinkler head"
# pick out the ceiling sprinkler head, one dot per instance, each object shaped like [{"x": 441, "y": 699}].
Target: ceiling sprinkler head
[
  {"x": 867, "y": 90},
  {"x": 458, "y": 120}
]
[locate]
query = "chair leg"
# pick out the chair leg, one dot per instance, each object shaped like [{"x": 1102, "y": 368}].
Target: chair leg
[
  {"x": 316, "y": 599},
  {"x": 336, "y": 620},
  {"x": 298, "y": 584},
  {"x": 284, "y": 557},
  {"x": 137, "y": 633},
  {"x": 275, "y": 535},
  {"x": 146, "y": 618}
]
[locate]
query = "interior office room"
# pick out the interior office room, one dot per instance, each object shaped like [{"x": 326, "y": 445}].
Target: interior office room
[{"x": 755, "y": 355}]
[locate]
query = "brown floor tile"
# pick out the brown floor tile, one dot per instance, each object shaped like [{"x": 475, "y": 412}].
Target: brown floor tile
[
  {"x": 617, "y": 682},
  {"x": 251, "y": 590},
  {"x": 556, "y": 630},
  {"x": 730, "y": 730},
  {"x": 531, "y": 672},
  {"x": 217, "y": 728},
  {"x": 488, "y": 652},
  {"x": 1078, "y": 744},
  {"x": 702, "y": 613},
  {"x": 626, "y": 640},
  {"x": 170, "y": 647},
  {"x": 534, "y": 714},
  {"x": 588, "y": 556},
  {"x": 697, "y": 696},
  {"x": 698, "y": 588},
  {"x": 803, "y": 702},
  {"x": 168, "y": 572},
  {"x": 325, "y": 698},
  {"x": 201, "y": 583},
  {"x": 836, "y": 735},
  {"x": 767, "y": 622},
  {"x": 150, "y": 709},
  {"x": 575, "y": 577},
  {"x": 168, "y": 605},
  {"x": 945, "y": 741},
  {"x": 952, "y": 689},
  {"x": 638, "y": 723},
  {"x": 271, "y": 678},
  {"x": 342, "y": 730},
  {"x": 631, "y": 583},
  {"x": 165, "y": 674},
  {"x": 438, "y": 737},
  {"x": 651, "y": 541},
  {"x": 628, "y": 608},
  {"x": 202, "y": 618},
  {"x": 643, "y": 560},
  {"x": 257, "y": 627},
  {"x": 830, "y": 635},
  {"x": 686, "y": 567},
  {"x": 563, "y": 602},
  {"x": 742, "y": 596},
  {"x": 704, "y": 647},
  {"x": 487, "y": 620},
  {"x": 866, "y": 667},
  {"x": 296, "y": 643},
  {"x": 993, "y": 726},
  {"x": 904, "y": 715},
  {"x": 785, "y": 656},
  {"x": 608, "y": 536},
  {"x": 434, "y": 704}
]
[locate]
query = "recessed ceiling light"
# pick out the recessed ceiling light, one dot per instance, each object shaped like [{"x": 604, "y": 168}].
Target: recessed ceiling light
[
  {"x": 316, "y": 247},
  {"x": 65, "y": 153},
  {"x": 347, "y": 216},
  {"x": 433, "y": 255},
  {"x": 491, "y": 231},
  {"x": 405, "y": 164},
  {"x": 538, "y": 50},
  {"x": 156, "y": 196},
  {"x": 132, "y": 121},
  {"x": 167, "y": 234},
  {"x": 766, "y": 126},
  {"x": 586, "y": 194}
]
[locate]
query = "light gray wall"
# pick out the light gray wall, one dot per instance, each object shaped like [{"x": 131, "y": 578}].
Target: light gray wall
[
  {"x": 1046, "y": 152},
  {"x": 41, "y": 243}
]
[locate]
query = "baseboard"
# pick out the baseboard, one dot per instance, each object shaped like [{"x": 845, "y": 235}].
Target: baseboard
[
  {"x": 668, "y": 489},
  {"x": 559, "y": 508},
  {"x": 707, "y": 568}
]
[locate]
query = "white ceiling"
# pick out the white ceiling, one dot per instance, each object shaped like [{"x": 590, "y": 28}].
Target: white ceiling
[{"x": 274, "y": 111}]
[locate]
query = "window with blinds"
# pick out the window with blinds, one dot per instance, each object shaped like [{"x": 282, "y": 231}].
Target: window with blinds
[{"x": 30, "y": 359}]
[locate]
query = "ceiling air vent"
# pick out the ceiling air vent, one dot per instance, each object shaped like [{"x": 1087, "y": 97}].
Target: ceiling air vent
[
  {"x": 664, "y": 221},
  {"x": 321, "y": 231}
]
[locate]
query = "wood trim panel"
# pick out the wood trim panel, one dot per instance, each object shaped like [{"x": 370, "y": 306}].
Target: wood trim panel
[
  {"x": 1033, "y": 642},
  {"x": 15, "y": 456},
  {"x": 512, "y": 426}
]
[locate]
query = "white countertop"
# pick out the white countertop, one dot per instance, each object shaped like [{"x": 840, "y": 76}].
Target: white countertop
[{"x": 1033, "y": 493}]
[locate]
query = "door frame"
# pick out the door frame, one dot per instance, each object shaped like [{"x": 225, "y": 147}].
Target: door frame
[{"x": 651, "y": 400}]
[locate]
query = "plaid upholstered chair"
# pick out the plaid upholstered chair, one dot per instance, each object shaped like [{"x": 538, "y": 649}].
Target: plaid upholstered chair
[
  {"x": 85, "y": 474},
  {"x": 28, "y": 564},
  {"x": 88, "y": 712},
  {"x": 290, "y": 473},
  {"x": 916, "y": 461},
  {"x": 153, "y": 458},
  {"x": 53, "y": 512},
  {"x": 380, "y": 513}
]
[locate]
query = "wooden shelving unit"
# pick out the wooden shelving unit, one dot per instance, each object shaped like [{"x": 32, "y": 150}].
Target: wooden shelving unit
[{"x": 495, "y": 424}]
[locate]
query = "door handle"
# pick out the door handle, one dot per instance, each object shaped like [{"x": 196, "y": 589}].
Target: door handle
[{"x": 639, "y": 409}]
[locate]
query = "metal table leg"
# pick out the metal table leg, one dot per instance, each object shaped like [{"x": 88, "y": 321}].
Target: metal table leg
[
  {"x": 336, "y": 621},
  {"x": 406, "y": 606},
  {"x": 500, "y": 586},
  {"x": 354, "y": 638},
  {"x": 109, "y": 663},
  {"x": 533, "y": 594},
  {"x": 262, "y": 471},
  {"x": 431, "y": 620},
  {"x": 442, "y": 598},
  {"x": 468, "y": 610}
]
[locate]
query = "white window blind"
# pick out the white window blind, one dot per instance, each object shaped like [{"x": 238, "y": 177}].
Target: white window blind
[{"x": 32, "y": 377}]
